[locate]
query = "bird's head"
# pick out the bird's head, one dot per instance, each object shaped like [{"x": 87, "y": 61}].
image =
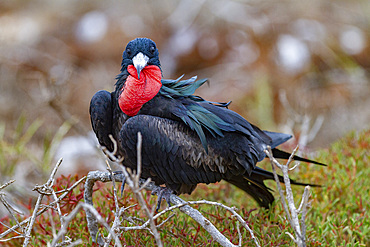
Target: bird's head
[
  {"x": 140, "y": 53},
  {"x": 140, "y": 77}
]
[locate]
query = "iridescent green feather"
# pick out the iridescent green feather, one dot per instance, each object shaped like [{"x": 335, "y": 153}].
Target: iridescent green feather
[{"x": 196, "y": 117}]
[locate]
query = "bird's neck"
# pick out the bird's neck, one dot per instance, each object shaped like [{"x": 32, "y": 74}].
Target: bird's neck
[{"x": 136, "y": 92}]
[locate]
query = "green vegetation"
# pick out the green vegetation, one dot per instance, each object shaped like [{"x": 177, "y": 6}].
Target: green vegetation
[
  {"x": 339, "y": 215},
  {"x": 15, "y": 147}
]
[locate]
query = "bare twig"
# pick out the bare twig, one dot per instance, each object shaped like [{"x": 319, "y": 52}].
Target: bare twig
[
  {"x": 46, "y": 187},
  {"x": 41, "y": 211},
  {"x": 136, "y": 184},
  {"x": 166, "y": 220},
  {"x": 72, "y": 214},
  {"x": 136, "y": 190},
  {"x": 75, "y": 243},
  {"x": 298, "y": 226},
  {"x": 9, "y": 207},
  {"x": 132, "y": 179},
  {"x": 240, "y": 234},
  {"x": 61, "y": 218},
  {"x": 9, "y": 239},
  {"x": 6, "y": 184},
  {"x": 303, "y": 208},
  {"x": 52, "y": 223},
  {"x": 281, "y": 192},
  {"x": 114, "y": 189},
  {"x": 178, "y": 203},
  {"x": 117, "y": 213},
  {"x": 205, "y": 223},
  {"x": 11, "y": 229},
  {"x": 32, "y": 221},
  {"x": 11, "y": 210},
  {"x": 92, "y": 222}
]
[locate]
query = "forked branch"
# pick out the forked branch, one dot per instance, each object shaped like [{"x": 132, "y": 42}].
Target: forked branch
[
  {"x": 136, "y": 184},
  {"x": 291, "y": 211}
]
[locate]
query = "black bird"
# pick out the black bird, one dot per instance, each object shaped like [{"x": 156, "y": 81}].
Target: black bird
[{"x": 187, "y": 140}]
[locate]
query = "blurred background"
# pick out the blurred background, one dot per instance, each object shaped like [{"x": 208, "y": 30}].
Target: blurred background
[{"x": 299, "y": 67}]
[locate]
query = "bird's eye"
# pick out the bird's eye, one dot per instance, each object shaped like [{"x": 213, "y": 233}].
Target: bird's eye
[
  {"x": 128, "y": 51},
  {"x": 152, "y": 49}
]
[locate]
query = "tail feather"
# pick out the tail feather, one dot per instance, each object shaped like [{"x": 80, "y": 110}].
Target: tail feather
[
  {"x": 284, "y": 155},
  {"x": 277, "y": 138},
  {"x": 262, "y": 174},
  {"x": 257, "y": 189},
  {"x": 254, "y": 185}
]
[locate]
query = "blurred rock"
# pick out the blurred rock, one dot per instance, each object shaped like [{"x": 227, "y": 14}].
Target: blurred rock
[
  {"x": 80, "y": 155},
  {"x": 352, "y": 40},
  {"x": 91, "y": 27}
]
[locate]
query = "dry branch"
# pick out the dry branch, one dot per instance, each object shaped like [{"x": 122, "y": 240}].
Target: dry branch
[
  {"x": 137, "y": 184},
  {"x": 6, "y": 184},
  {"x": 46, "y": 187},
  {"x": 74, "y": 212},
  {"x": 44, "y": 190},
  {"x": 291, "y": 211}
]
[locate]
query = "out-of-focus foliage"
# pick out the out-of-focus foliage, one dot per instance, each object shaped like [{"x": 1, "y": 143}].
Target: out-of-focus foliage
[
  {"x": 18, "y": 148},
  {"x": 61, "y": 52},
  {"x": 339, "y": 215}
]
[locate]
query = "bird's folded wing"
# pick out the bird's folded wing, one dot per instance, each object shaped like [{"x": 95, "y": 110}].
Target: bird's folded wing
[{"x": 175, "y": 153}]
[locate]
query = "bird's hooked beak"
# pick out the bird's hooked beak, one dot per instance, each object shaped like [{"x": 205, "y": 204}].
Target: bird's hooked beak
[{"x": 140, "y": 61}]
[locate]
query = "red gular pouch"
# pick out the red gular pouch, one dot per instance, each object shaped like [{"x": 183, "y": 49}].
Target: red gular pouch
[{"x": 136, "y": 92}]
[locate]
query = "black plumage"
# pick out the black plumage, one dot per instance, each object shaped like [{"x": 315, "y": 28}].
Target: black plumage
[{"x": 186, "y": 140}]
